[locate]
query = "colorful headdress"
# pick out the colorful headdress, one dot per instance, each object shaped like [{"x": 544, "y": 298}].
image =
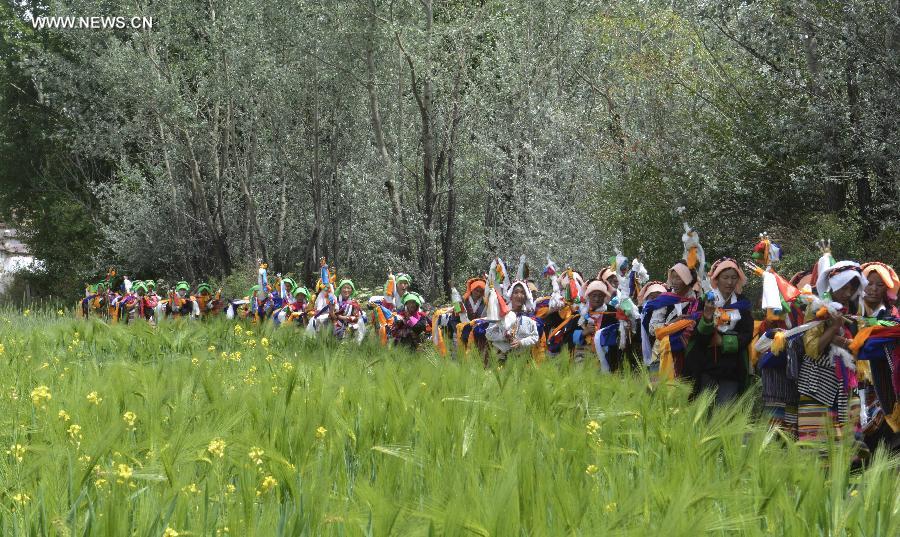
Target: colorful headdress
[
  {"x": 839, "y": 275},
  {"x": 347, "y": 281},
  {"x": 472, "y": 284},
  {"x": 403, "y": 277},
  {"x": 204, "y": 287},
  {"x": 593, "y": 286},
  {"x": 722, "y": 265},
  {"x": 529, "y": 297},
  {"x": 888, "y": 275},
  {"x": 651, "y": 287},
  {"x": 687, "y": 274},
  {"x": 415, "y": 297},
  {"x": 182, "y": 286}
]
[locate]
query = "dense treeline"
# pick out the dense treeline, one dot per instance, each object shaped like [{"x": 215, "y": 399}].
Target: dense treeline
[{"x": 430, "y": 136}]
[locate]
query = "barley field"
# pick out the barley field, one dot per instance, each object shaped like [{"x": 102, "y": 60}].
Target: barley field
[{"x": 195, "y": 428}]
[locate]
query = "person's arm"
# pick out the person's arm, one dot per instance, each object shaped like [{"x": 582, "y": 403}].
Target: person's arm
[{"x": 531, "y": 334}]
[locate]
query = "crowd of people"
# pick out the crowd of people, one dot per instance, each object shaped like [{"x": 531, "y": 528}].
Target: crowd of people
[{"x": 824, "y": 345}]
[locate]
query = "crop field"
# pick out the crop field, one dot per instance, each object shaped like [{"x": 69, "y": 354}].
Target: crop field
[{"x": 218, "y": 428}]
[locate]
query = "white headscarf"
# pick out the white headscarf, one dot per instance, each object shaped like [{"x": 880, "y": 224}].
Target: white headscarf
[{"x": 837, "y": 276}]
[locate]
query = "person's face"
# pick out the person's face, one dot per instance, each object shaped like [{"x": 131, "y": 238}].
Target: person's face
[
  {"x": 596, "y": 299},
  {"x": 845, "y": 293},
  {"x": 517, "y": 298},
  {"x": 678, "y": 285},
  {"x": 345, "y": 291},
  {"x": 204, "y": 293},
  {"x": 477, "y": 294},
  {"x": 727, "y": 281},
  {"x": 876, "y": 290},
  {"x": 402, "y": 286},
  {"x": 412, "y": 307},
  {"x": 613, "y": 280},
  {"x": 182, "y": 293}
]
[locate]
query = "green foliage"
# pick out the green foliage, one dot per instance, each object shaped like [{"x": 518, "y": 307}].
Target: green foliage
[{"x": 296, "y": 436}]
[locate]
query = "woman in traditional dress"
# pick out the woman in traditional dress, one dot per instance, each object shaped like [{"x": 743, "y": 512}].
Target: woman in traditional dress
[
  {"x": 716, "y": 356},
  {"x": 517, "y": 332},
  {"x": 827, "y": 379}
]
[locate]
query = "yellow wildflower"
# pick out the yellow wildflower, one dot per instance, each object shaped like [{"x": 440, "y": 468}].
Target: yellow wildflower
[
  {"x": 236, "y": 356},
  {"x": 211, "y": 348},
  {"x": 854, "y": 493},
  {"x": 250, "y": 343},
  {"x": 170, "y": 532},
  {"x": 217, "y": 447},
  {"x": 230, "y": 488},
  {"x": 610, "y": 507},
  {"x": 287, "y": 366},
  {"x": 249, "y": 333},
  {"x": 268, "y": 483},
  {"x": 2, "y": 349},
  {"x": 21, "y": 498},
  {"x": 124, "y": 471},
  {"x": 191, "y": 489},
  {"x": 195, "y": 361},
  {"x": 40, "y": 396},
  {"x": 269, "y": 358},
  {"x": 17, "y": 451},
  {"x": 238, "y": 329},
  {"x": 593, "y": 427},
  {"x": 100, "y": 482},
  {"x": 63, "y": 415},
  {"x": 26, "y": 313},
  {"x": 264, "y": 342},
  {"x": 94, "y": 398},
  {"x": 592, "y": 469},
  {"x": 129, "y": 418},
  {"x": 320, "y": 432},
  {"x": 256, "y": 455}
]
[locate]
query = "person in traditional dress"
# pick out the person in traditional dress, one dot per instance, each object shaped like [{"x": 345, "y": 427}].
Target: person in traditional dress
[
  {"x": 181, "y": 304},
  {"x": 147, "y": 303},
  {"x": 681, "y": 303},
  {"x": 516, "y": 332},
  {"x": 649, "y": 292},
  {"x": 881, "y": 398},
  {"x": 345, "y": 313},
  {"x": 594, "y": 315},
  {"x": 827, "y": 378},
  {"x": 716, "y": 357},
  {"x": 207, "y": 304},
  {"x": 411, "y": 324}
]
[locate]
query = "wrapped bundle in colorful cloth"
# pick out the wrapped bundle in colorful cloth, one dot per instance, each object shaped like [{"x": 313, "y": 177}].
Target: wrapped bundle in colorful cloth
[
  {"x": 381, "y": 316},
  {"x": 694, "y": 256}
]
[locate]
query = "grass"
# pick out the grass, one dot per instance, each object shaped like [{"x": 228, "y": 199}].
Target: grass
[{"x": 304, "y": 437}]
